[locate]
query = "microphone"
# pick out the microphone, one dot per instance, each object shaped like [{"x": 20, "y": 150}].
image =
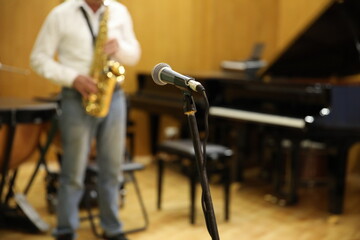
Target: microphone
[{"x": 162, "y": 74}]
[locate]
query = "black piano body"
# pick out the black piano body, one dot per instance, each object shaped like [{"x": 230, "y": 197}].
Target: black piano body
[
  {"x": 301, "y": 94},
  {"x": 318, "y": 112}
]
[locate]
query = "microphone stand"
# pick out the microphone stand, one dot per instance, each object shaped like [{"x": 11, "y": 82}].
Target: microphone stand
[{"x": 189, "y": 111}]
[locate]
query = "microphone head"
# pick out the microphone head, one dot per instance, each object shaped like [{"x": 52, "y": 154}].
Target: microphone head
[{"x": 157, "y": 71}]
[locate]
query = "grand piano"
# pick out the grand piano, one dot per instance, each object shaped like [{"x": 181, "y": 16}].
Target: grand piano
[{"x": 308, "y": 91}]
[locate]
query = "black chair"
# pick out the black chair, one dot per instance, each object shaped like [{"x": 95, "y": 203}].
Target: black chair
[
  {"x": 218, "y": 160},
  {"x": 129, "y": 169}
]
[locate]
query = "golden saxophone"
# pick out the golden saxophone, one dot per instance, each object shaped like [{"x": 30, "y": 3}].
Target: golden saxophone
[{"x": 107, "y": 73}]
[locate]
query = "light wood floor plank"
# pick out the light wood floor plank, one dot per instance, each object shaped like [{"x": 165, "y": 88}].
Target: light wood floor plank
[{"x": 251, "y": 218}]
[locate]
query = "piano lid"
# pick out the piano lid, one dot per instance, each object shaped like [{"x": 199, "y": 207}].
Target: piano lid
[{"x": 328, "y": 47}]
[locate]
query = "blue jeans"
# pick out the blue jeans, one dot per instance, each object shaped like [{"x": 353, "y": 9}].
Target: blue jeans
[{"x": 78, "y": 129}]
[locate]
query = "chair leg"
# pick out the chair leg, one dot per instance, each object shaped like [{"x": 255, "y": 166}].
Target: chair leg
[
  {"x": 160, "y": 182},
  {"x": 227, "y": 182},
  {"x": 141, "y": 202},
  {"x": 91, "y": 217}
]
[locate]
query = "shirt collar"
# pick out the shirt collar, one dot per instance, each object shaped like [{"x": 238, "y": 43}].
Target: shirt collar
[{"x": 83, "y": 4}]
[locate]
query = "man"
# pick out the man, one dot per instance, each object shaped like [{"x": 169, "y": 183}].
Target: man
[{"x": 69, "y": 33}]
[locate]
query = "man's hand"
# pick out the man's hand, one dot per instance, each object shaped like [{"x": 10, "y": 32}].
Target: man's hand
[
  {"x": 111, "y": 47},
  {"x": 85, "y": 85}
]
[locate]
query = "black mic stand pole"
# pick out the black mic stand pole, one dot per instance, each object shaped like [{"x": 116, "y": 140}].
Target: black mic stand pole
[{"x": 189, "y": 111}]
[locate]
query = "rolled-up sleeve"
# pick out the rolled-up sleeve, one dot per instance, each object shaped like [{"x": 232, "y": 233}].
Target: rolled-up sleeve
[
  {"x": 129, "y": 48},
  {"x": 42, "y": 58}
]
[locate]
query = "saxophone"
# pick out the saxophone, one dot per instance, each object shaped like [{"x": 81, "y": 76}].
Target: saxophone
[{"x": 107, "y": 73}]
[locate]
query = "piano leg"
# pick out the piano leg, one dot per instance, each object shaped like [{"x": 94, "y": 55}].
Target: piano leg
[
  {"x": 277, "y": 172},
  {"x": 292, "y": 197},
  {"x": 338, "y": 165},
  {"x": 154, "y": 132},
  {"x": 285, "y": 173},
  {"x": 238, "y": 136}
]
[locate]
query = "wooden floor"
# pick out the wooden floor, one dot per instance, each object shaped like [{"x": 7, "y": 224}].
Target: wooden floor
[{"x": 252, "y": 218}]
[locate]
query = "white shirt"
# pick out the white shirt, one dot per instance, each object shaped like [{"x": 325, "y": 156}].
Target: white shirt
[{"x": 66, "y": 35}]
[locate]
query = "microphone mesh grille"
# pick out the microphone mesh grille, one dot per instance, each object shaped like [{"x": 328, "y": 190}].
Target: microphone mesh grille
[{"x": 155, "y": 73}]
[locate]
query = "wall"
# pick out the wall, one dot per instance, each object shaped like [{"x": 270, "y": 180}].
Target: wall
[{"x": 186, "y": 34}]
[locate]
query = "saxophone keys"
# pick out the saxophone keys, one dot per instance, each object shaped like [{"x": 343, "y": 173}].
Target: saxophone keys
[
  {"x": 100, "y": 86},
  {"x": 121, "y": 70},
  {"x": 110, "y": 75},
  {"x": 116, "y": 68},
  {"x": 91, "y": 108},
  {"x": 92, "y": 97},
  {"x": 120, "y": 79}
]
